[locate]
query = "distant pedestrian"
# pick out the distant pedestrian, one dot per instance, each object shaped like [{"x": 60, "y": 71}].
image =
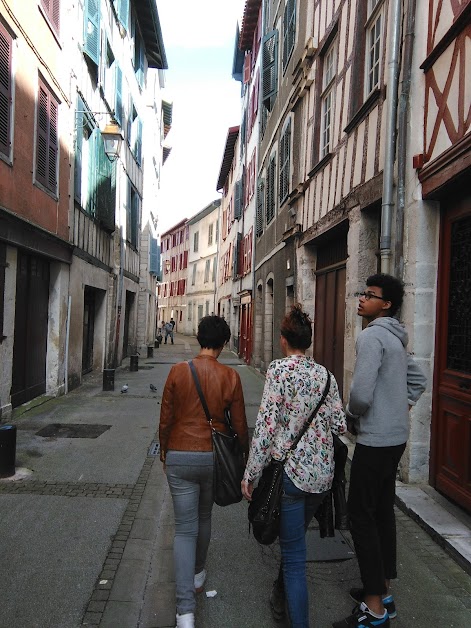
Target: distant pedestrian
[
  {"x": 186, "y": 451},
  {"x": 168, "y": 329},
  {"x": 294, "y": 386},
  {"x": 386, "y": 383}
]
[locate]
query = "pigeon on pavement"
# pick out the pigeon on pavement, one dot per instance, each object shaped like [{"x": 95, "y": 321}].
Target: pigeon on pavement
[
  {"x": 153, "y": 388},
  {"x": 124, "y": 389}
]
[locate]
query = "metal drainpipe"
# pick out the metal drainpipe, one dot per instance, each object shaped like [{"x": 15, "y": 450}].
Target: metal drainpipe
[
  {"x": 402, "y": 136},
  {"x": 389, "y": 151}
]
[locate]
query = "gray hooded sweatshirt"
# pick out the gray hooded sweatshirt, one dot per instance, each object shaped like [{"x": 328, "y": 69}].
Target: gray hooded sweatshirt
[{"x": 385, "y": 382}]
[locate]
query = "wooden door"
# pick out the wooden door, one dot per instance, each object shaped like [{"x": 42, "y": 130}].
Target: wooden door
[
  {"x": 246, "y": 332},
  {"x": 451, "y": 419},
  {"x": 329, "y": 323},
  {"x": 31, "y": 322}
]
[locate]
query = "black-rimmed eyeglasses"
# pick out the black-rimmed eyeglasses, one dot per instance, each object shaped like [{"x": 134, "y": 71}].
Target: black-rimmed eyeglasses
[{"x": 369, "y": 295}]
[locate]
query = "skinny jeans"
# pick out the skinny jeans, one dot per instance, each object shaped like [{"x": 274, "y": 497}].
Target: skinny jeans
[
  {"x": 297, "y": 510},
  {"x": 371, "y": 510},
  {"x": 191, "y": 487}
]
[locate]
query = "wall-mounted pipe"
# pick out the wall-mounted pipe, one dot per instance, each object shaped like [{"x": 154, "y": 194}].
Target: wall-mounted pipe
[
  {"x": 390, "y": 143},
  {"x": 402, "y": 134}
]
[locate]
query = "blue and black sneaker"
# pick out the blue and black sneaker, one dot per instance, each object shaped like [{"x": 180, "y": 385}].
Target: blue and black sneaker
[
  {"x": 358, "y": 596},
  {"x": 362, "y": 617}
]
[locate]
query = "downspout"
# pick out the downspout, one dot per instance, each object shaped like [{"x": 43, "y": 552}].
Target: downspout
[
  {"x": 402, "y": 137},
  {"x": 389, "y": 151}
]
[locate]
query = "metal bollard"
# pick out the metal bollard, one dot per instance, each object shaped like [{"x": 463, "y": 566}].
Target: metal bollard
[
  {"x": 108, "y": 379},
  {"x": 7, "y": 450},
  {"x": 150, "y": 352},
  {"x": 134, "y": 363}
]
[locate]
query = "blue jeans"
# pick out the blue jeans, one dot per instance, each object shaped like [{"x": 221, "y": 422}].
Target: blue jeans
[
  {"x": 297, "y": 510},
  {"x": 191, "y": 487}
]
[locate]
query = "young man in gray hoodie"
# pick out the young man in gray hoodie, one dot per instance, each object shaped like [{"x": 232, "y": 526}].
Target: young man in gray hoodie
[{"x": 386, "y": 383}]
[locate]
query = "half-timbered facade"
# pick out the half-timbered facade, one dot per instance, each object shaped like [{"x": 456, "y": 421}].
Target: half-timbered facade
[{"x": 442, "y": 157}]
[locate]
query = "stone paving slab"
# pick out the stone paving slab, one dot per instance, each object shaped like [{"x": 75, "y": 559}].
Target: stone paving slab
[{"x": 52, "y": 544}]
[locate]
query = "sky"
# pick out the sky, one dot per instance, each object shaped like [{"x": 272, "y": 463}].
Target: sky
[{"x": 199, "y": 39}]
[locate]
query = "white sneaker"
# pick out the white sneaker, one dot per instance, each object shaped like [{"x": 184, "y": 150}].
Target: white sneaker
[
  {"x": 200, "y": 580},
  {"x": 185, "y": 621}
]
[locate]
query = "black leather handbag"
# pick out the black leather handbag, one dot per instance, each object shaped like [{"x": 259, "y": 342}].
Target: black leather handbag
[
  {"x": 229, "y": 463},
  {"x": 265, "y": 507}
]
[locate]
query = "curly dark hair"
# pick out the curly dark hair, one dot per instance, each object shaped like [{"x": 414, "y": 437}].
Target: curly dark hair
[
  {"x": 213, "y": 332},
  {"x": 392, "y": 288},
  {"x": 296, "y": 327}
]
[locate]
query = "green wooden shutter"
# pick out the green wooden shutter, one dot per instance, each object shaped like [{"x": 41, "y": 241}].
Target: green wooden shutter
[
  {"x": 79, "y": 125},
  {"x": 238, "y": 200},
  {"x": 269, "y": 68},
  {"x": 106, "y": 182},
  {"x": 138, "y": 145},
  {"x": 91, "y": 201},
  {"x": 259, "y": 209},
  {"x": 128, "y": 212},
  {"x": 123, "y": 13},
  {"x": 91, "y": 36},
  {"x": 119, "y": 95}
]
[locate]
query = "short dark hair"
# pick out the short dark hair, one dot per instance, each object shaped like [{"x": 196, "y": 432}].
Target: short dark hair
[
  {"x": 392, "y": 288},
  {"x": 213, "y": 332},
  {"x": 296, "y": 327}
]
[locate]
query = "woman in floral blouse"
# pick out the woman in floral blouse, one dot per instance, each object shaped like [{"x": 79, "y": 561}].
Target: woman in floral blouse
[{"x": 293, "y": 387}]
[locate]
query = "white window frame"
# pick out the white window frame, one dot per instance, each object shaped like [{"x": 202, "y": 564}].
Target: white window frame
[
  {"x": 374, "y": 46},
  {"x": 329, "y": 72}
]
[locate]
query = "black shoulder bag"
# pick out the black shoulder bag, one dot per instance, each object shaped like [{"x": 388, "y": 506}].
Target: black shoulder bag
[
  {"x": 229, "y": 463},
  {"x": 265, "y": 507}
]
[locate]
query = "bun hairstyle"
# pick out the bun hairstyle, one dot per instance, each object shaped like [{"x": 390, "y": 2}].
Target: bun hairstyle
[{"x": 296, "y": 328}]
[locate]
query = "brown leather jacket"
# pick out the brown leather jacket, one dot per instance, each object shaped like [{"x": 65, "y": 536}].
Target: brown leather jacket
[{"x": 183, "y": 424}]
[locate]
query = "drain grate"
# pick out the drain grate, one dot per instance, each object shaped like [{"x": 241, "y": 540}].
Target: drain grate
[
  {"x": 72, "y": 430},
  {"x": 154, "y": 449}
]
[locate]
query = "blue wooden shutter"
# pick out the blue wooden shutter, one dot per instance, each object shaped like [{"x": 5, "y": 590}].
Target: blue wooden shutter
[
  {"x": 119, "y": 95},
  {"x": 5, "y": 90},
  {"x": 153, "y": 257},
  {"x": 123, "y": 13},
  {"x": 91, "y": 36},
  {"x": 269, "y": 67}
]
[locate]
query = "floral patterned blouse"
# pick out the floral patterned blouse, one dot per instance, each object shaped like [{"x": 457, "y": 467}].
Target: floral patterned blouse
[{"x": 293, "y": 387}]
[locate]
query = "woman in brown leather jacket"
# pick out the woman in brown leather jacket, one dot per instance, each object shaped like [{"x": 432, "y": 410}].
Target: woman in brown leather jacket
[{"x": 186, "y": 451}]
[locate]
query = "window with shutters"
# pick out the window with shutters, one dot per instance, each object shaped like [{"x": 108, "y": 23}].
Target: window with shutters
[
  {"x": 238, "y": 199},
  {"x": 289, "y": 30},
  {"x": 210, "y": 234},
  {"x": 206, "y": 308},
  {"x": 190, "y": 308},
  {"x": 91, "y": 30},
  {"x": 133, "y": 210},
  {"x": 134, "y": 134},
  {"x": 94, "y": 174},
  {"x": 214, "y": 268},
  {"x": 196, "y": 241},
  {"x": 122, "y": 11},
  {"x": 154, "y": 258},
  {"x": 329, "y": 71},
  {"x": 47, "y": 145},
  {"x": 269, "y": 69},
  {"x": 51, "y": 9},
  {"x": 217, "y": 231},
  {"x": 193, "y": 276},
  {"x": 6, "y": 91},
  {"x": 207, "y": 269},
  {"x": 285, "y": 162},
  {"x": 260, "y": 207},
  {"x": 270, "y": 195}
]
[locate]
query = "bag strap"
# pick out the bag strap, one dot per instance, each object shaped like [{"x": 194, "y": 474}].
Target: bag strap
[
  {"x": 200, "y": 392},
  {"x": 313, "y": 414}
]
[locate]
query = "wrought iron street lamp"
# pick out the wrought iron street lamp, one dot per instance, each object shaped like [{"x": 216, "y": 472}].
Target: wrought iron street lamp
[{"x": 112, "y": 138}]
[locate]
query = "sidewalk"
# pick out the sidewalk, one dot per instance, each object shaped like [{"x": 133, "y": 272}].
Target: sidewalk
[{"x": 86, "y": 539}]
